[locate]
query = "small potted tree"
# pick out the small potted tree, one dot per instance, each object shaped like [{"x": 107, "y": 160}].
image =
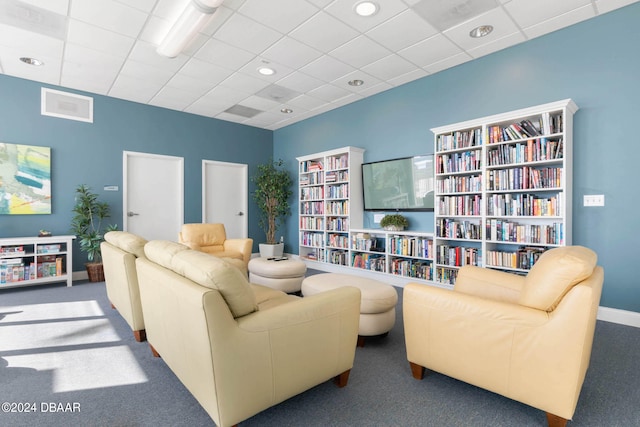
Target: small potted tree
[
  {"x": 394, "y": 222},
  {"x": 272, "y": 192},
  {"x": 88, "y": 214}
]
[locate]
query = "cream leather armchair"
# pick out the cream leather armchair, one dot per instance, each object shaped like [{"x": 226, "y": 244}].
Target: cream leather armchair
[
  {"x": 241, "y": 348},
  {"x": 119, "y": 252},
  {"x": 212, "y": 239},
  {"x": 526, "y": 338}
]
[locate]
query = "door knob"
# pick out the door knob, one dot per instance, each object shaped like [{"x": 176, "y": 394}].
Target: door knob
[{"x": 132, "y": 213}]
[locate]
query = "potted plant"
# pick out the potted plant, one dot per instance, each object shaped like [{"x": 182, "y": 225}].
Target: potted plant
[
  {"x": 88, "y": 214},
  {"x": 394, "y": 222},
  {"x": 272, "y": 192}
]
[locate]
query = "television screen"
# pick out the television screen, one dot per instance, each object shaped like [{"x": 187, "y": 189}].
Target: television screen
[{"x": 399, "y": 184}]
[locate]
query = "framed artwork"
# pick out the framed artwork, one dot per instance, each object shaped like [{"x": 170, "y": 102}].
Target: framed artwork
[{"x": 25, "y": 179}]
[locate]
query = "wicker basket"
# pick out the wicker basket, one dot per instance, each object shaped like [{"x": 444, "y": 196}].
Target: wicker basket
[{"x": 95, "y": 271}]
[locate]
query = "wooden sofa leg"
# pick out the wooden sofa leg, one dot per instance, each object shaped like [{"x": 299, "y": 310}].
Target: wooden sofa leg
[
  {"x": 153, "y": 351},
  {"x": 417, "y": 371},
  {"x": 140, "y": 335},
  {"x": 555, "y": 421},
  {"x": 342, "y": 379},
  {"x": 360, "y": 341},
  {"x": 113, "y": 306}
]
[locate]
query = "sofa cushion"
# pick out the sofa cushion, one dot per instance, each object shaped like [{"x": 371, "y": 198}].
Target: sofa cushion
[
  {"x": 215, "y": 273},
  {"x": 162, "y": 251},
  {"x": 128, "y": 242},
  {"x": 554, "y": 274},
  {"x": 204, "y": 234}
]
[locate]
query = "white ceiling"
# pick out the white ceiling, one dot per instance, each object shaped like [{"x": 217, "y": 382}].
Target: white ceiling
[{"x": 108, "y": 47}]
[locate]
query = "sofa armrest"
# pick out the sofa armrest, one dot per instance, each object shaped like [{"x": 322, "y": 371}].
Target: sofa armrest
[
  {"x": 491, "y": 284},
  {"x": 243, "y": 246}
]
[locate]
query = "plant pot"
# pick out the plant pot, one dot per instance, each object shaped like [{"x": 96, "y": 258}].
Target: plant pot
[
  {"x": 394, "y": 228},
  {"x": 95, "y": 271},
  {"x": 267, "y": 250}
]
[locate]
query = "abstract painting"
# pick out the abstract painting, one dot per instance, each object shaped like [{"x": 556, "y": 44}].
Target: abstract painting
[{"x": 25, "y": 179}]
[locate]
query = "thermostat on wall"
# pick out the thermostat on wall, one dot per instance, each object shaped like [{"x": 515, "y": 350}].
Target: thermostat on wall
[{"x": 110, "y": 188}]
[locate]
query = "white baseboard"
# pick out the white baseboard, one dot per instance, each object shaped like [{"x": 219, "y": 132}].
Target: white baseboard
[{"x": 623, "y": 317}]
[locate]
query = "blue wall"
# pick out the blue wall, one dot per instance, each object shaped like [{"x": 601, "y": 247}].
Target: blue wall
[
  {"x": 91, "y": 153},
  {"x": 596, "y": 63}
]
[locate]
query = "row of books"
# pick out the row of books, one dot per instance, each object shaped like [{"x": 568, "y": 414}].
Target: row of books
[
  {"x": 367, "y": 261},
  {"x": 311, "y": 166},
  {"x": 411, "y": 268},
  {"x": 338, "y": 208},
  {"x": 10, "y": 273},
  {"x": 338, "y": 257},
  {"x": 12, "y": 250},
  {"x": 523, "y": 205},
  {"x": 312, "y": 193},
  {"x": 338, "y": 224},
  {"x": 308, "y": 238},
  {"x": 460, "y": 205},
  {"x": 533, "y": 150},
  {"x": 311, "y": 223},
  {"x": 524, "y": 178},
  {"x": 338, "y": 241},
  {"x": 523, "y": 258},
  {"x": 338, "y": 191},
  {"x": 49, "y": 249},
  {"x": 459, "y": 139},
  {"x": 336, "y": 176},
  {"x": 339, "y": 162},
  {"x": 466, "y": 161},
  {"x": 460, "y": 184},
  {"x": 508, "y": 231},
  {"x": 446, "y": 275},
  {"x": 458, "y": 255},
  {"x": 411, "y": 246},
  {"x": 311, "y": 208},
  {"x": 449, "y": 228},
  {"x": 312, "y": 178}
]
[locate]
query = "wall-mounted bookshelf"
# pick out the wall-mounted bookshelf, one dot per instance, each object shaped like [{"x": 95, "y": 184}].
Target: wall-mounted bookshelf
[{"x": 503, "y": 189}]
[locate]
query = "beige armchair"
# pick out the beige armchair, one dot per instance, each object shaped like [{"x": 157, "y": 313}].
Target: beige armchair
[
  {"x": 526, "y": 338},
  {"x": 241, "y": 348},
  {"x": 212, "y": 239},
  {"x": 119, "y": 252}
]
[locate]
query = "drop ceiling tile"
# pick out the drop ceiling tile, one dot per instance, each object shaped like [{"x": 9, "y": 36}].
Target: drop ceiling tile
[
  {"x": 327, "y": 68},
  {"x": 503, "y": 26},
  {"x": 208, "y": 106},
  {"x": 444, "y": 15},
  {"x": 228, "y": 117},
  {"x": 368, "y": 80},
  {"x": 291, "y": 52},
  {"x": 109, "y": 15},
  {"x": 264, "y": 119},
  {"x": 449, "y": 62},
  {"x": 174, "y": 98},
  {"x": 169, "y": 9},
  {"x": 430, "y": 51},
  {"x": 146, "y": 53},
  {"x": 559, "y": 22},
  {"x": 244, "y": 83},
  {"x": 142, "y": 71},
  {"x": 324, "y": 32},
  {"x": 280, "y": 15},
  {"x": 221, "y": 15},
  {"x": 300, "y": 82},
  {"x": 224, "y": 55},
  {"x": 605, "y": 6},
  {"x": 31, "y": 44},
  {"x": 12, "y": 66},
  {"x": 360, "y": 52},
  {"x": 89, "y": 69},
  {"x": 190, "y": 84},
  {"x": 227, "y": 95},
  {"x": 247, "y": 34},
  {"x": 143, "y": 5},
  {"x": 352, "y": 97},
  {"x": 389, "y": 67},
  {"x": 527, "y": 13},
  {"x": 260, "y": 103},
  {"x": 90, "y": 36},
  {"x": 402, "y": 31},
  {"x": 134, "y": 89},
  {"x": 344, "y": 11},
  {"x": 251, "y": 69},
  {"x": 372, "y": 90},
  {"x": 409, "y": 77},
  {"x": 155, "y": 30},
  {"x": 329, "y": 93},
  {"x": 320, "y": 3},
  {"x": 307, "y": 102},
  {"x": 497, "y": 45},
  {"x": 57, "y": 6},
  {"x": 205, "y": 71}
]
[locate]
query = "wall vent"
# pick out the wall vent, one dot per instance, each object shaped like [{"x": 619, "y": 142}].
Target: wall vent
[{"x": 66, "y": 105}]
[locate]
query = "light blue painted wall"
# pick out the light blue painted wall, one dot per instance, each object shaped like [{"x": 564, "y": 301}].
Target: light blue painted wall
[
  {"x": 92, "y": 153},
  {"x": 596, "y": 63}
]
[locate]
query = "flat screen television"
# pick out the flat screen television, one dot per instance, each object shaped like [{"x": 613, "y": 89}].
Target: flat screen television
[{"x": 404, "y": 184}]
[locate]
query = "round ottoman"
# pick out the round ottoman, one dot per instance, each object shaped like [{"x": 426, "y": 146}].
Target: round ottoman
[
  {"x": 285, "y": 275},
  {"x": 377, "y": 306}
]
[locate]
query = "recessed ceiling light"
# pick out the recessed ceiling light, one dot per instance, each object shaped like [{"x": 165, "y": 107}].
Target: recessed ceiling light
[
  {"x": 481, "y": 31},
  {"x": 266, "y": 71},
  {"x": 356, "y": 82},
  {"x": 366, "y": 8},
  {"x": 286, "y": 110},
  {"x": 32, "y": 61}
]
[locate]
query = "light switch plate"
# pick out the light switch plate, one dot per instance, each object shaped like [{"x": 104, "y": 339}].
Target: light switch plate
[{"x": 593, "y": 200}]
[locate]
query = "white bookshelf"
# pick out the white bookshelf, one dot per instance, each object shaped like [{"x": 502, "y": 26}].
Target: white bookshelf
[
  {"x": 503, "y": 196},
  {"x": 28, "y": 261}
]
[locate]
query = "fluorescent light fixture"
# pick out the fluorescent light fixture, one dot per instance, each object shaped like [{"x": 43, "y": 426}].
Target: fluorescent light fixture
[{"x": 194, "y": 17}]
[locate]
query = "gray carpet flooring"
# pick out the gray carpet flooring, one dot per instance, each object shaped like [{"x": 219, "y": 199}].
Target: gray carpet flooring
[{"x": 67, "y": 358}]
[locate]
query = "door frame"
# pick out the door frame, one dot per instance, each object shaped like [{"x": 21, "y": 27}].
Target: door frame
[
  {"x": 125, "y": 183},
  {"x": 245, "y": 194}
]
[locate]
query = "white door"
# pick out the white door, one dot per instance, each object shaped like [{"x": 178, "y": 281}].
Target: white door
[
  {"x": 153, "y": 195},
  {"x": 225, "y": 196}
]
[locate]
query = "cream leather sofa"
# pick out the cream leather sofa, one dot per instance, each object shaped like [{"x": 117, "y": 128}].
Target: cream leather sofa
[
  {"x": 119, "y": 252},
  {"x": 241, "y": 348},
  {"x": 212, "y": 239},
  {"x": 526, "y": 338}
]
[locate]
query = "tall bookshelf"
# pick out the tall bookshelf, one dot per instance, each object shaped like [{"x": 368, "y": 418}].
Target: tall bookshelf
[
  {"x": 330, "y": 203},
  {"x": 503, "y": 189}
]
